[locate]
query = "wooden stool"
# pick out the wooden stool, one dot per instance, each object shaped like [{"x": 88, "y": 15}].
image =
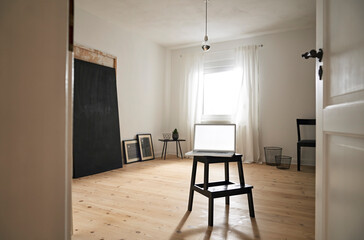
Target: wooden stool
[{"x": 219, "y": 189}]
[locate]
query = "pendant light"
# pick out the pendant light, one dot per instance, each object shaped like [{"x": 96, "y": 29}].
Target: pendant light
[{"x": 205, "y": 43}]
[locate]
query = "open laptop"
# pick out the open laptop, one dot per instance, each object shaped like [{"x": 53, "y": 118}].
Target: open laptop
[{"x": 216, "y": 140}]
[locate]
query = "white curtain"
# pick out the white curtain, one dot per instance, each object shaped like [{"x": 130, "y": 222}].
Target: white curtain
[
  {"x": 246, "y": 114},
  {"x": 191, "y": 97}
]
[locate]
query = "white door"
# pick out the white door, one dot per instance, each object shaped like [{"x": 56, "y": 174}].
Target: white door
[{"x": 340, "y": 120}]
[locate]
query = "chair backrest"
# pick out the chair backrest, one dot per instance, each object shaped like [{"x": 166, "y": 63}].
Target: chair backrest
[{"x": 303, "y": 122}]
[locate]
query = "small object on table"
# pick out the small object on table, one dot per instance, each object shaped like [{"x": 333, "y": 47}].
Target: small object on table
[
  {"x": 166, "y": 135},
  {"x": 178, "y": 146},
  {"x": 175, "y": 134}
]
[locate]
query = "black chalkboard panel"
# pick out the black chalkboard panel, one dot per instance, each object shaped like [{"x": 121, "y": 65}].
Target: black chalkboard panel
[{"x": 96, "y": 134}]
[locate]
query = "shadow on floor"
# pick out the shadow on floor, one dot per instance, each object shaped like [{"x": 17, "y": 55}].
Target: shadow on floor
[{"x": 224, "y": 231}]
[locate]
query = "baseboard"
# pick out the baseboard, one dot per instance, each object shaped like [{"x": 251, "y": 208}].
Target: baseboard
[{"x": 304, "y": 162}]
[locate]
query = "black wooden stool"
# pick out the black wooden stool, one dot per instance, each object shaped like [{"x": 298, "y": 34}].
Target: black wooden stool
[{"x": 219, "y": 189}]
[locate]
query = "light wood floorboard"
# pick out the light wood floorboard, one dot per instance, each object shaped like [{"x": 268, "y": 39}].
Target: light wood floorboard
[{"x": 148, "y": 200}]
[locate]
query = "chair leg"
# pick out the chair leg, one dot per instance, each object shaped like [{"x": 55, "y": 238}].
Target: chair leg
[
  {"x": 211, "y": 211},
  {"x": 298, "y": 158}
]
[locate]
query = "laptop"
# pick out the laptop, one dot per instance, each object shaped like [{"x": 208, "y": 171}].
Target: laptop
[{"x": 216, "y": 140}]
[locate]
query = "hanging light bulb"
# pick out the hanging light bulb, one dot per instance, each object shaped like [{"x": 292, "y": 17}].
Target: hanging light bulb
[{"x": 205, "y": 44}]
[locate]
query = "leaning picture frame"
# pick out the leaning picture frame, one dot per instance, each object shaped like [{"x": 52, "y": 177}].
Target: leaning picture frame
[
  {"x": 146, "y": 146},
  {"x": 131, "y": 151}
]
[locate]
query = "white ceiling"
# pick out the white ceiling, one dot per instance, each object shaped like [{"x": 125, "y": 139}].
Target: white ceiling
[{"x": 175, "y": 23}]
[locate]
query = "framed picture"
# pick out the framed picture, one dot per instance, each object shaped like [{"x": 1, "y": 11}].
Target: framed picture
[
  {"x": 131, "y": 151},
  {"x": 146, "y": 146}
]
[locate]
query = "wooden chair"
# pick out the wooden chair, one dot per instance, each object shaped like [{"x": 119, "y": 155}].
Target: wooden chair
[{"x": 303, "y": 142}]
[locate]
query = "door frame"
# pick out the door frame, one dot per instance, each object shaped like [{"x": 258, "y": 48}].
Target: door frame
[{"x": 321, "y": 176}]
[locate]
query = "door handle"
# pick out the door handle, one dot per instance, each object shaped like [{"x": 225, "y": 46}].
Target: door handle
[
  {"x": 314, "y": 54},
  {"x": 320, "y": 72}
]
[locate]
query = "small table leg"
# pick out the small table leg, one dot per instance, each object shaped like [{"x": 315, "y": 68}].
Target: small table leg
[
  {"x": 164, "y": 145},
  {"x": 193, "y": 180},
  {"x": 180, "y": 149},
  {"x": 177, "y": 148},
  {"x": 165, "y": 150}
]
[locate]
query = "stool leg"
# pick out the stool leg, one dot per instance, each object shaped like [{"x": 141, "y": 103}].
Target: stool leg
[
  {"x": 193, "y": 180},
  {"x": 206, "y": 176},
  {"x": 211, "y": 211},
  {"x": 227, "y": 198},
  {"x": 251, "y": 204},
  {"x": 241, "y": 173}
]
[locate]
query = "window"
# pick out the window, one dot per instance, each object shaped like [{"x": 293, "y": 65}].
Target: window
[
  {"x": 221, "y": 86},
  {"x": 220, "y": 92}
]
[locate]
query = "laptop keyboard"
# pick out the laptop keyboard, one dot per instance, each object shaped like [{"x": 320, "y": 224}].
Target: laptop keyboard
[
  {"x": 209, "y": 153},
  {"x": 219, "y": 153}
]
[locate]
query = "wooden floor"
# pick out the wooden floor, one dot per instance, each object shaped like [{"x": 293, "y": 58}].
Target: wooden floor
[{"x": 148, "y": 200}]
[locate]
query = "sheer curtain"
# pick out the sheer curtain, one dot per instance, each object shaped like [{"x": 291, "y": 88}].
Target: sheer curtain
[
  {"x": 191, "y": 98},
  {"x": 246, "y": 114}
]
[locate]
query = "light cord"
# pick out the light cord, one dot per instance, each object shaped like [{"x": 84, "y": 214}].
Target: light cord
[{"x": 206, "y": 20}]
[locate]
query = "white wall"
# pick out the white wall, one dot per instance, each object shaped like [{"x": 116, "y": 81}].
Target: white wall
[
  {"x": 141, "y": 67},
  {"x": 33, "y": 53},
  {"x": 287, "y": 86}
]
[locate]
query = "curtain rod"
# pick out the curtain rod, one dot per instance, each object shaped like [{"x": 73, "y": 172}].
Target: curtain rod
[{"x": 226, "y": 50}]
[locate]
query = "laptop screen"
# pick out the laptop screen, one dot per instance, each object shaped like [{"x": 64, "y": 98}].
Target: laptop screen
[{"x": 215, "y": 137}]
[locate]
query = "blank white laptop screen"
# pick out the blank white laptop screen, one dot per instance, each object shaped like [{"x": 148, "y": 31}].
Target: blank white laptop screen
[{"x": 210, "y": 137}]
